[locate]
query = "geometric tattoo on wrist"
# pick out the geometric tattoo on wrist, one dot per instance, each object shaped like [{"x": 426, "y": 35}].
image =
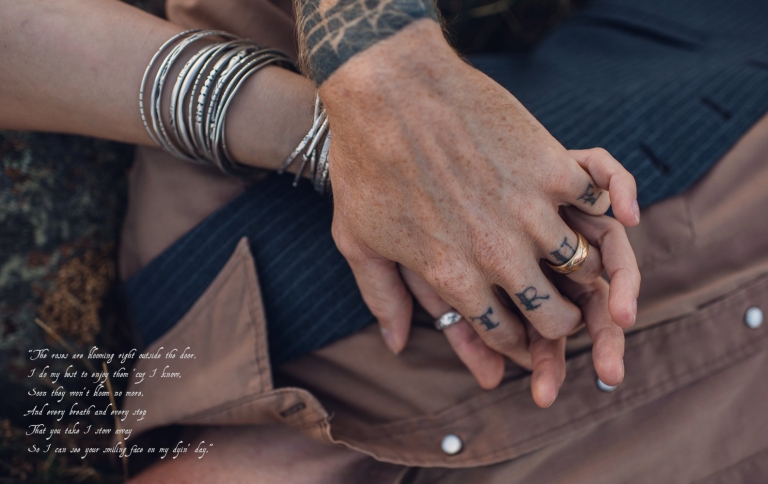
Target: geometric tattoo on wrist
[{"x": 329, "y": 38}]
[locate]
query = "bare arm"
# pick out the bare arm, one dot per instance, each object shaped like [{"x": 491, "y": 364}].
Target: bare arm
[{"x": 74, "y": 66}]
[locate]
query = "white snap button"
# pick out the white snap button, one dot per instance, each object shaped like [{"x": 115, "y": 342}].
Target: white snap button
[
  {"x": 605, "y": 388},
  {"x": 451, "y": 444},
  {"x": 754, "y": 317}
]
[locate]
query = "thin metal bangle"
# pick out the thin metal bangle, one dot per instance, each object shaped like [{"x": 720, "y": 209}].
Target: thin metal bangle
[
  {"x": 301, "y": 148},
  {"x": 178, "y": 95},
  {"x": 250, "y": 68},
  {"x": 160, "y": 78},
  {"x": 171, "y": 145},
  {"x": 232, "y": 166},
  {"x": 176, "y": 107},
  {"x": 211, "y": 71},
  {"x": 203, "y": 100},
  {"x": 218, "y": 107},
  {"x": 225, "y": 78},
  {"x": 323, "y": 184},
  {"x": 181, "y": 94},
  {"x": 144, "y": 78},
  {"x": 230, "y": 79},
  {"x": 244, "y": 59},
  {"x": 220, "y": 75},
  {"x": 197, "y": 102},
  {"x": 202, "y": 94},
  {"x": 157, "y": 91}
]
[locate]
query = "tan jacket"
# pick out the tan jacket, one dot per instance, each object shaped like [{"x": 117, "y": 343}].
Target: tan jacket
[{"x": 693, "y": 406}]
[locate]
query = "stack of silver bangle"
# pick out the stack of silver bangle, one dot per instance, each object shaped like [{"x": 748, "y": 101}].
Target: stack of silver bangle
[
  {"x": 199, "y": 100},
  {"x": 313, "y": 150}
]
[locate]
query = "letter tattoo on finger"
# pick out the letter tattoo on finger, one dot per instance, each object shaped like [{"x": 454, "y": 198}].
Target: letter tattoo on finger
[
  {"x": 590, "y": 196},
  {"x": 529, "y": 296},
  {"x": 485, "y": 320},
  {"x": 560, "y": 256}
]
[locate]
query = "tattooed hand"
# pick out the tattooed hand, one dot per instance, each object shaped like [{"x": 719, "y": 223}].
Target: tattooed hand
[
  {"x": 438, "y": 168},
  {"x": 547, "y": 357}
]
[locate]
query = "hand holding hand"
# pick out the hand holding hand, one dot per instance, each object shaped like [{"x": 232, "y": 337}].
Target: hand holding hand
[{"x": 438, "y": 168}]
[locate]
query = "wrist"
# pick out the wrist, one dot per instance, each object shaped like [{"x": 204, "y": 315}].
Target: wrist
[
  {"x": 418, "y": 54},
  {"x": 270, "y": 116}
]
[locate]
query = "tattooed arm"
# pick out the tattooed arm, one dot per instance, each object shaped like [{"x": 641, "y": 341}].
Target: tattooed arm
[
  {"x": 330, "y": 33},
  {"x": 438, "y": 168}
]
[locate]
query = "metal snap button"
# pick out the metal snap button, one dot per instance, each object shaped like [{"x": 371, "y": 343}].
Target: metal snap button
[
  {"x": 753, "y": 318},
  {"x": 451, "y": 444}
]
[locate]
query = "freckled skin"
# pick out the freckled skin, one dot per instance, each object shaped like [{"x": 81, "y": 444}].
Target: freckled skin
[
  {"x": 469, "y": 173},
  {"x": 439, "y": 172}
]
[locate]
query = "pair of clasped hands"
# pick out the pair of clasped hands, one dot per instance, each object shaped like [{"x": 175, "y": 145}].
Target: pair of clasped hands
[{"x": 446, "y": 189}]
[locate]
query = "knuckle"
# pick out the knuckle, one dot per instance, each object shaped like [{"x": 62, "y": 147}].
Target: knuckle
[
  {"x": 614, "y": 226},
  {"x": 601, "y": 154},
  {"x": 602, "y": 205},
  {"x": 554, "y": 331},
  {"x": 591, "y": 272},
  {"x": 450, "y": 279},
  {"x": 630, "y": 179},
  {"x": 465, "y": 342},
  {"x": 530, "y": 228},
  {"x": 504, "y": 342},
  {"x": 607, "y": 333},
  {"x": 344, "y": 241},
  {"x": 388, "y": 307},
  {"x": 561, "y": 328},
  {"x": 560, "y": 181},
  {"x": 489, "y": 252},
  {"x": 384, "y": 310}
]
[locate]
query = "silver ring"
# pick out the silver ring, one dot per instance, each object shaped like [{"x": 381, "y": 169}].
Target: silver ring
[{"x": 448, "y": 319}]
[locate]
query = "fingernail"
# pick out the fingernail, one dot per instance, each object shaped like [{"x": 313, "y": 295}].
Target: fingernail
[
  {"x": 636, "y": 209},
  {"x": 389, "y": 339},
  {"x": 553, "y": 398},
  {"x": 623, "y": 371},
  {"x": 634, "y": 310}
]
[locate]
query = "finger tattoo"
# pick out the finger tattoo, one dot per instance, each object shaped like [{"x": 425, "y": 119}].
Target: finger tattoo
[
  {"x": 564, "y": 247},
  {"x": 590, "y": 195},
  {"x": 485, "y": 320},
  {"x": 529, "y": 296}
]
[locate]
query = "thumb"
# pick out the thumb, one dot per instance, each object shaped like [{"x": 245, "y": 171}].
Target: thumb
[{"x": 385, "y": 294}]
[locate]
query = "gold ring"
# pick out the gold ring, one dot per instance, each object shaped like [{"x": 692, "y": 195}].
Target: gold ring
[{"x": 577, "y": 260}]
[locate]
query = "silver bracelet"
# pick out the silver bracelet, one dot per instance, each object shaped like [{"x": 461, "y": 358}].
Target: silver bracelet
[
  {"x": 162, "y": 49},
  {"x": 199, "y": 100},
  {"x": 156, "y": 97},
  {"x": 313, "y": 150}
]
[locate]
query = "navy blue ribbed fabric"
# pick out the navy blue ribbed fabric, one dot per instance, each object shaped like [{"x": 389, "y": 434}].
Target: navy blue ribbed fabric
[{"x": 666, "y": 86}]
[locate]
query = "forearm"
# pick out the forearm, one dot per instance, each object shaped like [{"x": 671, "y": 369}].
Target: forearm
[{"x": 75, "y": 66}]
